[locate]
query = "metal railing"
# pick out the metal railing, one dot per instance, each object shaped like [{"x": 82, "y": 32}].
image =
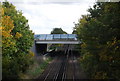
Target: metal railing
[{"x": 55, "y": 37}]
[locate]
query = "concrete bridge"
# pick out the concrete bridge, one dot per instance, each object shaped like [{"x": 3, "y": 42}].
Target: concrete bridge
[{"x": 42, "y": 42}]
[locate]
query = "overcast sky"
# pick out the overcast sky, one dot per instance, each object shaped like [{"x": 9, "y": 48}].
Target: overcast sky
[{"x": 44, "y": 15}]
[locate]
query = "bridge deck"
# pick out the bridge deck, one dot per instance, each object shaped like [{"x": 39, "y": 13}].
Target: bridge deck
[{"x": 56, "y": 39}]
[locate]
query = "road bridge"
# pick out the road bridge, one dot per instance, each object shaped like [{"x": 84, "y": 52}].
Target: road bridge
[
  {"x": 42, "y": 42},
  {"x": 56, "y": 39}
]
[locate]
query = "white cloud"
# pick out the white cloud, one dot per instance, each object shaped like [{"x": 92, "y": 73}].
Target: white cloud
[
  {"x": 43, "y": 17},
  {"x": 53, "y": 1}
]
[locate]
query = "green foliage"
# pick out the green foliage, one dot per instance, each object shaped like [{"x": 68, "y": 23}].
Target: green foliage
[
  {"x": 17, "y": 40},
  {"x": 58, "y": 31},
  {"x": 36, "y": 69},
  {"x": 100, "y": 37}
]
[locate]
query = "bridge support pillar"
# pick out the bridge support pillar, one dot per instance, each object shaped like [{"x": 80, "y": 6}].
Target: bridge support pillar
[
  {"x": 48, "y": 46},
  {"x": 33, "y": 48}
]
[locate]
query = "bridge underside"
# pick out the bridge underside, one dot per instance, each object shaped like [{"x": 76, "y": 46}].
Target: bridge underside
[
  {"x": 42, "y": 46},
  {"x": 46, "y": 42}
]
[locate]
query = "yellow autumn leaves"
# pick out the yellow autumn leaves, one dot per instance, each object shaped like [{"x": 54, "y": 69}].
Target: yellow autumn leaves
[
  {"x": 18, "y": 35},
  {"x": 7, "y": 26},
  {"x": 6, "y": 30}
]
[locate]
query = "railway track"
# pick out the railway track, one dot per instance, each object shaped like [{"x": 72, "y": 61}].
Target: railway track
[{"x": 62, "y": 68}]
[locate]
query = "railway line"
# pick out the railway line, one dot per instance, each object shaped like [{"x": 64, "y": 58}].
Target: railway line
[{"x": 63, "y": 67}]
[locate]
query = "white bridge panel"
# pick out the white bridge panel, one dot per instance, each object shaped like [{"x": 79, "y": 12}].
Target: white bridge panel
[{"x": 57, "y": 42}]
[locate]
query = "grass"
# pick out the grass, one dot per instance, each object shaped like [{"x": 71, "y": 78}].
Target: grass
[{"x": 36, "y": 69}]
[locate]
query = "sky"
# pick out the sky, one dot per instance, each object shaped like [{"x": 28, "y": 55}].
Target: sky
[{"x": 44, "y": 15}]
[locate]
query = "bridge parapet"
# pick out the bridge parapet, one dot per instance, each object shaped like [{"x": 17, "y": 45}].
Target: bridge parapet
[
  {"x": 64, "y": 37},
  {"x": 42, "y": 41}
]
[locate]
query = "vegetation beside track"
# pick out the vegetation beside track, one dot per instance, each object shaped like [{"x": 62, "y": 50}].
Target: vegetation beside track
[
  {"x": 36, "y": 69},
  {"x": 99, "y": 32}
]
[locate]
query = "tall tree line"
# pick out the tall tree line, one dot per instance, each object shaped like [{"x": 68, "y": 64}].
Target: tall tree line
[
  {"x": 17, "y": 40},
  {"x": 99, "y": 32}
]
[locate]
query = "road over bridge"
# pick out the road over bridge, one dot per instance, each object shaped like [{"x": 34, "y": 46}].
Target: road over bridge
[
  {"x": 44, "y": 41},
  {"x": 56, "y": 39}
]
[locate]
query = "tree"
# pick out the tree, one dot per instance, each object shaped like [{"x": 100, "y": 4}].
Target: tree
[
  {"x": 58, "y": 31},
  {"x": 17, "y": 40},
  {"x": 99, "y": 33}
]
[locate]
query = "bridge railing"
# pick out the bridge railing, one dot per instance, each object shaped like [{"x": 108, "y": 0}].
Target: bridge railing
[{"x": 56, "y": 37}]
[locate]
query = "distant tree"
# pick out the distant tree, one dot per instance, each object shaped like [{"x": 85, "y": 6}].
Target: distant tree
[
  {"x": 58, "y": 31},
  {"x": 17, "y": 40},
  {"x": 75, "y": 28}
]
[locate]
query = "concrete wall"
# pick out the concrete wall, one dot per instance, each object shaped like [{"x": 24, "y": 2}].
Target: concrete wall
[
  {"x": 33, "y": 49},
  {"x": 42, "y": 48},
  {"x": 39, "y": 48}
]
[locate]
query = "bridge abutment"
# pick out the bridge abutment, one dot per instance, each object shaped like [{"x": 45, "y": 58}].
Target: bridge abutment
[{"x": 39, "y": 48}]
